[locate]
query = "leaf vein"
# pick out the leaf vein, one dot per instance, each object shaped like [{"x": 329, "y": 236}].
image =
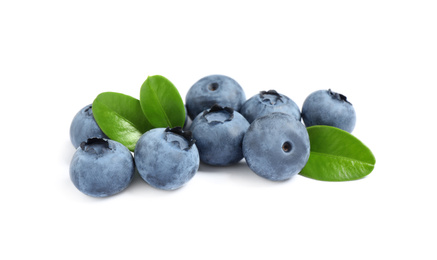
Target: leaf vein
[
  {"x": 342, "y": 157},
  {"x": 119, "y": 115},
  {"x": 161, "y": 108}
]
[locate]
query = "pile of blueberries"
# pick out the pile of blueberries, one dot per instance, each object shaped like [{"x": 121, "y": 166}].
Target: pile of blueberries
[{"x": 266, "y": 130}]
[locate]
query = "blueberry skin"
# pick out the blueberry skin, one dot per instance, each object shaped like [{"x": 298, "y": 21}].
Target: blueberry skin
[
  {"x": 267, "y": 102},
  {"x": 325, "y": 107},
  {"x": 219, "y": 134},
  {"x": 166, "y": 160},
  {"x": 276, "y": 146},
  {"x": 214, "y": 89},
  {"x": 101, "y": 167},
  {"x": 84, "y": 126}
]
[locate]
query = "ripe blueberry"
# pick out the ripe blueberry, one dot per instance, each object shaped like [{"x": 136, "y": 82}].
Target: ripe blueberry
[
  {"x": 267, "y": 102},
  {"x": 84, "y": 126},
  {"x": 214, "y": 89},
  {"x": 276, "y": 146},
  {"x": 101, "y": 167},
  {"x": 219, "y": 133},
  {"x": 325, "y": 107},
  {"x": 166, "y": 158}
]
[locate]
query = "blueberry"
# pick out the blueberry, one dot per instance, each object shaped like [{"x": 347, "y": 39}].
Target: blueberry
[
  {"x": 267, "y": 102},
  {"x": 214, "y": 89},
  {"x": 101, "y": 167},
  {"x": 219, "y": 133},
  {"x": 325, "y": 107},
  {"x": 84, "y": 126},
  {"x": 276, "y": 146},
  {"x": 166, "y": 158}
]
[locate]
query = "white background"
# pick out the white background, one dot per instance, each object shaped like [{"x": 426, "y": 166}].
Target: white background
[{"x": 57, "y": 56}]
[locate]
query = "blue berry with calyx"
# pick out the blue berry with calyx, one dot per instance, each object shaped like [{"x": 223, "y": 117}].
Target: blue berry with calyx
[
  {"x": 276, "y": 146},
  {"x": 325, "y": 107},
  {"x": 84, "y": 126},
  {"x": 101, "y": 167},
  {"x": 214, "y": 89},
  {"x": 219, "y": 133},
  {"x": 267, "y": 102},
  {"x": 166, "y": 158}
]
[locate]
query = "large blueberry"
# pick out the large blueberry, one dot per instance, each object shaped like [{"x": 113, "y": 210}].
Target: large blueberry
[
  {"x": 214, "y": 89},
  {"x": 267, "y": 102},
  {"x": 276, "y": 146},
  {"x": 325, "y": 107},
  {"x": 84, "y": 126},
  {"x": 166, "y": 158},
  {"x": 219, "y": 132},
  {"x": 101, "y": 167}
]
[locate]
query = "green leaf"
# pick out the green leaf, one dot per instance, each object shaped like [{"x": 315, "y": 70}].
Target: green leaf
[
  {"x": 336, "y": 155},
  {"x": 120, "y": 117},
  {"x": 161, "y": 102}
]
